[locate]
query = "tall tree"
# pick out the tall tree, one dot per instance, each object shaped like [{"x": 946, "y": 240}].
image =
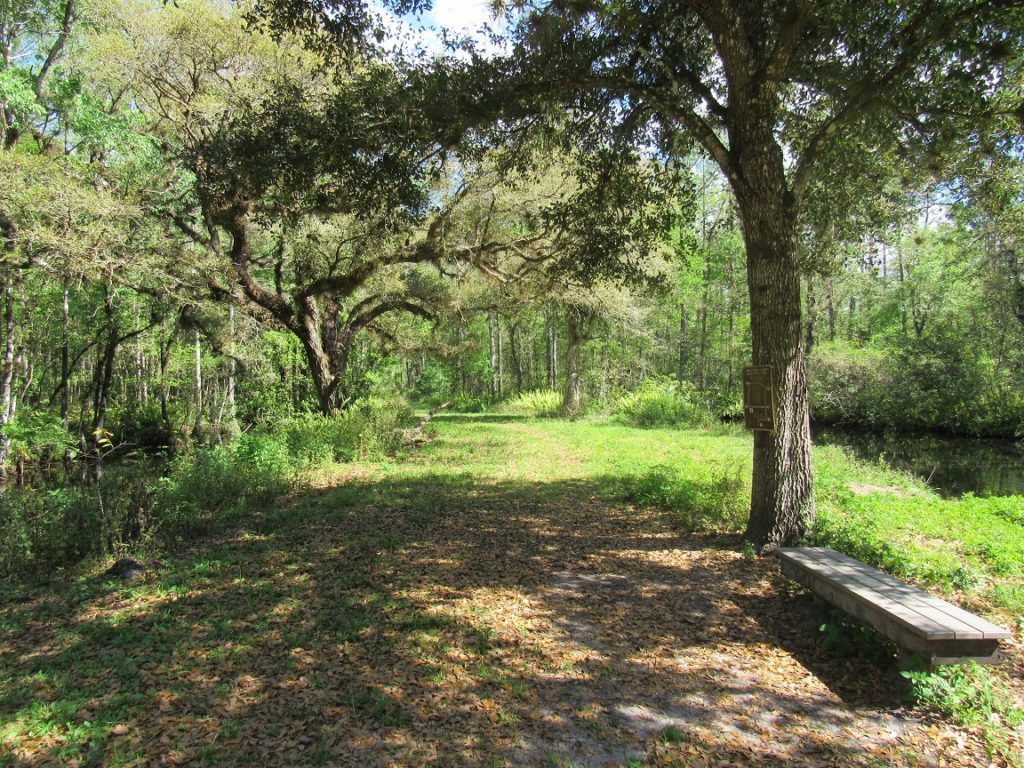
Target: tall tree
[{"x": 783, "y": 95}]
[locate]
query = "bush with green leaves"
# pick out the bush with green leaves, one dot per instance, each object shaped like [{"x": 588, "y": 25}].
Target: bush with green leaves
[
  {"x": 969, "y": 696},
  {"x": 713, "y": 499},
  {"x": 663, "y": 402},
  {"x": 205, "y": 488},
  {"x": 937, "y": 384},
  {"x": 539, "y": 403},
  {"x": 41, "y": 530},
  {"x": 35, "y": 434}
]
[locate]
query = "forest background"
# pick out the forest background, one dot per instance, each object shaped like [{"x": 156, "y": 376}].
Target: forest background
[{"x": 212, "y": 231}]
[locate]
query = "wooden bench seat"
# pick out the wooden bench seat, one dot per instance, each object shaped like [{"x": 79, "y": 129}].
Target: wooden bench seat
[{"x": 918, "y": 622}]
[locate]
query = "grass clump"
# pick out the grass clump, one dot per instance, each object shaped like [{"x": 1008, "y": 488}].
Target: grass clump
[
  {"x": 715, "y": 501},
  {"x": 663, "y": 402},
  {"x": 133, "y": 505},
  {"x": 540, "y": 403},
  {"x": 969, "y": 696},
  {"x": 371, "y": 427}
]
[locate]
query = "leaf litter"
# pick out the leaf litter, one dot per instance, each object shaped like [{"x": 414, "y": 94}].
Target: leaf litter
[{"x": 451, "y": 621}]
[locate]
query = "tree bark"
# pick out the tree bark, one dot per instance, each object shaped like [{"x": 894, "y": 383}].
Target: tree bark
[
  {"x": 681, "y": 374},
  {"x": 578, "y": 321},
  {"x": 782, "y": 499}
]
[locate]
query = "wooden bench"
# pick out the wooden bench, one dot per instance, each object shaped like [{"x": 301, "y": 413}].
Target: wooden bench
[{"x": 916, "y": 621}]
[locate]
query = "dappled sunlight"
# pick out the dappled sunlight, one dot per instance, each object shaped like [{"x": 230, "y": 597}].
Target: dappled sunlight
[{"x": 430, "y": 617}]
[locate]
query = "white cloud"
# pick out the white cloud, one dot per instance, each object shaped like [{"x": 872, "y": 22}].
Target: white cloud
[{"x": 463, "y": 16}]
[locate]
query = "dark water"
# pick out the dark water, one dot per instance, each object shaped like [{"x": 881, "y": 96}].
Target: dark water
[{"x": 952, "y": 465}]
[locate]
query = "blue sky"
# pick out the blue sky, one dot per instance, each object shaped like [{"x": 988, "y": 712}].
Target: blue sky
[{"x": 463, "y": 17}]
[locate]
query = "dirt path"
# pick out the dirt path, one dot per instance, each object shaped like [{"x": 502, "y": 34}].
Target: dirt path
[{"x": 436, "y": 619}]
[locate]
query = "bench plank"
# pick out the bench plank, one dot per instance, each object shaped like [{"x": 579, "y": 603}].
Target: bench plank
[
  {"x": 930, "y": 604},
  {"x": 913, "y": 618}
]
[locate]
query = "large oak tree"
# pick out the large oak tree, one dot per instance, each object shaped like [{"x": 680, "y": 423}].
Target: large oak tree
[{"x": 786, "y": 96}]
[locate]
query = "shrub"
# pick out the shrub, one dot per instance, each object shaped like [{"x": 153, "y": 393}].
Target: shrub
[
  {"x": 663, "y": 402},
  {"x": 718, "y": 501},
  {"x": 467, "y": 403},
  {"x": 142, "y": 426},
  {"x": 372, "y": 426},
  {"x": 540, "y": 403},
  {"x": 41, "y": 530},
  {"x": 970, "y": 697},
  {"x": 218, "y": 483},
  {"x": 34, "y": 434},
  {"x": 935, "y": 384}
]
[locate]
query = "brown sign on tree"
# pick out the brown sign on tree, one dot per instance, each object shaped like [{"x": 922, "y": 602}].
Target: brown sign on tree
[{"x": 758, "y": 398}]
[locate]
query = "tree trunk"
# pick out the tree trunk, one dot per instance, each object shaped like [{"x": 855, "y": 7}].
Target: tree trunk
[
  {"x": 517, "y": 359},
  {"x": 7, "y": 374},
  {"x": 578, "y": 320},
  {"x": 492, "y": 350},
  {"x": 103, "y": 373},
  {"x": 830, "y": 309},
  {"x": 65, "y": 355},
  {"x": 229, "y": 398},
  {"x": 812, "y": 316},
  {"x": 681, "y": 375},
  {"x": 197, "y": 380},
  {"x": 552, "y": 343},
  {"x": 782, "y": 499}
]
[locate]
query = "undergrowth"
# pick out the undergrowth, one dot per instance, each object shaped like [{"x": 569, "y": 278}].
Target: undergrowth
[
  {"x": 540, "y": 403},
  {"x": 131, "y": 506},
  {"x": 969, "y": 696},
  {"x": 663, "y": 402},
  {"x": 715, "y": 501}
]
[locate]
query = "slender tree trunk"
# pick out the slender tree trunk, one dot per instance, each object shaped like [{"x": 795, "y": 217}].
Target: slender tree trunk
[
  {"x": 552, "y": 343},
  {"x": 702, "y": 354},
  {"x": 501, "y": 357},
  {"x": 197, "y": 383},
  {"x": 682, "y": 347},
  {"x": 229, "y": 398},
  {"x": 103, "y": 373},
  {"x": 830, "y": 309},
  {"x": 460, "y": 362},
  {"x": 492, "y": 350},
  {"x": 65, "y": 354},
  {"x": 578, "y": 320},
  {"x": 7, "y": 374},
  {"x": 517, "y": 358}
]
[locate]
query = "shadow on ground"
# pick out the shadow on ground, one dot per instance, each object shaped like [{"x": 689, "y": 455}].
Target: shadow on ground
[{"x": 440, "y": 621}]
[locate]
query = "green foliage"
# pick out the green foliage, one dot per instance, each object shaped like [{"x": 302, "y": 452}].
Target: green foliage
[
  {"x": 467, "y": 403},
  {"x": 141, "y": 426},
  {"x": 198, "y": 493},
  {"x": 17, "y": 93},
  {"x": 663, "y": 402},
  {"x": 844, "y": 636},
  {"x": 42, "y": 530},
  {"x": 716, "y": 500},
  {"x": 35, "y": 433},
  {"x": 940, "y": 385},
  {"x": 969, "y": 696},
  {"x": 540, "y": 403},
  {"x": 205, "y": 488}
]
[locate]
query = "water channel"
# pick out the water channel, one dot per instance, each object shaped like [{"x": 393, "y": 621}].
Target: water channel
[{"x": 953, "y": 466}]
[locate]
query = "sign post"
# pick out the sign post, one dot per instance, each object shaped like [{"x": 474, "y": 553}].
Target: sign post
[{"x": 759, "y": 398}]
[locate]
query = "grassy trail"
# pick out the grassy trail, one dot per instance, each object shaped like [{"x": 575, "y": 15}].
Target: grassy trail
[{"x": 483, "y": 602}]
